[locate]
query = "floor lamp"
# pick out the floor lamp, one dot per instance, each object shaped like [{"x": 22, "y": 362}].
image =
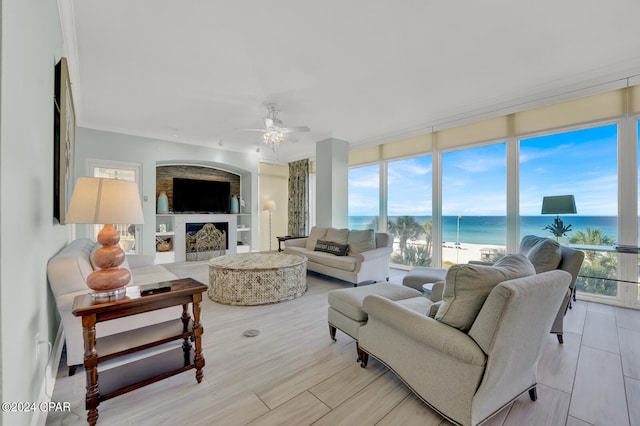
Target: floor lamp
[
  {"x": 270, "y": 206},
  {"x": 558, "y": 204}
]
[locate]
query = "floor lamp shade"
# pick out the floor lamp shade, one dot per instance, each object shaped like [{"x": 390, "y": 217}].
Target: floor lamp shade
[
  {"x": 559, "y": 204},
  {"x": 269, "y": 205},
  {"x": 106, "y": 201}
]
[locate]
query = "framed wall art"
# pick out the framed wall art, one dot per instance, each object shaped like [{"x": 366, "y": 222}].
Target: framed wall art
[{"x": 64, "y": 142}]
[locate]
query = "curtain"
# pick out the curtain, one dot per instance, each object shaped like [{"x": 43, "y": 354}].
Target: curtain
[{"x": 298, "y": 198}]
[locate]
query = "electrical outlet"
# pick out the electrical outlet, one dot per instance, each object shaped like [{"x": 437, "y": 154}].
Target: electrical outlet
[{"x": 36, "y": 344}]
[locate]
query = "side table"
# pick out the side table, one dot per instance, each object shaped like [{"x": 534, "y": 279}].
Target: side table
[
  {"x": 165, "y": 362},
  {"x": 285, "y": 238},
  {"x": 427, "y": 289}
]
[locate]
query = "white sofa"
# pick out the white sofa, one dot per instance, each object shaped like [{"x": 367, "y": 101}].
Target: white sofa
[
  {"x": 367, "y": 257},
  {"x": 67, "y": 272}
]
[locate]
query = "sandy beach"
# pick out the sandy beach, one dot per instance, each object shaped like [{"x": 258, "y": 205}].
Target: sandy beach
[
  {"x": 463, "y": 253},
  {"x": 467, "y": 252}
]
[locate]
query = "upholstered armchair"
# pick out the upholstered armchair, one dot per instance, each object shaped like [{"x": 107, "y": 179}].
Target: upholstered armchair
[
  {"x": 479, "y": 350},
  {"x": 544, "y": 253}
]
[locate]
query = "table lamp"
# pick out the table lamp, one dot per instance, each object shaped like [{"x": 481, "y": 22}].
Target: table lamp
[
  {"x": 270, "y": 206},
  {"x": 106, "y": 201},
  {"x": 558, "y": 204}
]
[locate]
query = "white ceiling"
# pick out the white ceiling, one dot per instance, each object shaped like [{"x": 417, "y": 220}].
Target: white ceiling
[{"x": 195, "y": 71}]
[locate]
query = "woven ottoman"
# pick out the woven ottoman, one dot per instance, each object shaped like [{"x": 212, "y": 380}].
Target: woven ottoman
[
  {"x": 420, "y": 275},
  {"x": 345, "y": 307}
]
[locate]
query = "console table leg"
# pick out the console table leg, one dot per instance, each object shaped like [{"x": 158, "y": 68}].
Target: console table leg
[
  {"x": 197, "y": 332},
  {"x": 92, "y": 398},
  {"x": 186, "y": 346}
]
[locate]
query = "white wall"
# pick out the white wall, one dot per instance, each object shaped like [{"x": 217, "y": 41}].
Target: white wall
[
  {"x": 29, "y": 235},
  {"x": 97, "y": 144},
  {"x": 274, "y": 185},
  {"x": 332, "y": 190}
]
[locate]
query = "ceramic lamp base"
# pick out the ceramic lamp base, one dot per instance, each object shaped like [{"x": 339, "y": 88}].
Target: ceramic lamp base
[{"x": 108, "y": 258}]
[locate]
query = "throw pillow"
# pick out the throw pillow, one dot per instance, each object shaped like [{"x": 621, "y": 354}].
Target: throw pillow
[
  {"x": 467, "y": 287},
  {"x": 432, "y": 310},
  {"x": 316, "y": 234},
  {"x": 331, "y": 247},
  {"x": 544, "y": 253},
  {"x": 339, "y": 236},
  {"x": 360, "y": 241}
]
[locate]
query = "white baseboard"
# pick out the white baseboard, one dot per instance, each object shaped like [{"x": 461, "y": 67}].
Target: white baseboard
[{"x": 49, "y": 379}]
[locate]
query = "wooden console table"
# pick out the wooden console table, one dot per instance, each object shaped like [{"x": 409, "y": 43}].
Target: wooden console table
[
  {"x": 165, "y": 358},
  {"x": 285, "y": 238}
]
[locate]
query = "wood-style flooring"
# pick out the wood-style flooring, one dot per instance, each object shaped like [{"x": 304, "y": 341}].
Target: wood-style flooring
[{"x": 294, "y": 374}]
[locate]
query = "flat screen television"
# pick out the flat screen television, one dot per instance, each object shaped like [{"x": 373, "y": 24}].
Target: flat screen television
[{"x": 200, "y": 196}]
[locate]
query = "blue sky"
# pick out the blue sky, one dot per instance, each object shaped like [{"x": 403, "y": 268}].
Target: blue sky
[{"x": 581, "y": 162}]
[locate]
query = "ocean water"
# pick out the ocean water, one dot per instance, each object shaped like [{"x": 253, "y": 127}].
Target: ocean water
[{"x": 493, "y": 229}]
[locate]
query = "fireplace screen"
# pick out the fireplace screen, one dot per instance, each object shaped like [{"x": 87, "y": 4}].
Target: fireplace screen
[{"x": 205, "y": 240}]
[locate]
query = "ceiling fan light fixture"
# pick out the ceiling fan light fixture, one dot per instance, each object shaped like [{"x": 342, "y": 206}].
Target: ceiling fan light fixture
[{"x": 274, "y": 134}]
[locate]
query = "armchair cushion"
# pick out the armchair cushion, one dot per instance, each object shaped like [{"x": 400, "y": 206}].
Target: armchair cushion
[
  {"x": 361, "y": 240},
  {"x": 335, "y": 235},
  {"x": 467, "y": 286},
  {"x": 544, "y": 253},
  {"x": 316, "y": 234}
]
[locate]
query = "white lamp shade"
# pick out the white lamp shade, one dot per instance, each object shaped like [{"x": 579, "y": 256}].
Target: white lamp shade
[
  {"x": 100, "y": 200},
  {"x": 269, "y": 205}
]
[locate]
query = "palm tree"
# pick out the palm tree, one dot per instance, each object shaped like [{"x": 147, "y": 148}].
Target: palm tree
[
  {"x": 427, "y": 228},
  {"x": 598, "y": 268},
  {"x": 405, "y": 228},
  {"x": 558, "y": 229},
  {"x": 593, "y": 237}
]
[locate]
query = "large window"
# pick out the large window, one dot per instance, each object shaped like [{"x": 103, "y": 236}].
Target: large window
[
  {"x": 474, "y": 202},
  {"x": 582, "y": 163},
  {"x": 364, "y": 197},
  {"x": 409, "y": 204}
]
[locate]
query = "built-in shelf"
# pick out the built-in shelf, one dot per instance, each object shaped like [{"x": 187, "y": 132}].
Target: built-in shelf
[
  {"x": 165, "y": 256},
  {"x": 165, "y": 234},
  {"x": 243, "y": 229}
]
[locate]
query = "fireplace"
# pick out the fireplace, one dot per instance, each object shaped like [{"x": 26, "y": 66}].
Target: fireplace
[{"x": 206, "y": 240}]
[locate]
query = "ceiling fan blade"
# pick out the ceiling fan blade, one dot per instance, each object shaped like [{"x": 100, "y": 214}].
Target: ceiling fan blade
[
  {"x": 253, "y": 130},
  {"x": 297, "y": 129}
]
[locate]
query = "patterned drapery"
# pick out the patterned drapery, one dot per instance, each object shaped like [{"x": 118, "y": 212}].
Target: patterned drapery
[{"x": 298, "y": 198}]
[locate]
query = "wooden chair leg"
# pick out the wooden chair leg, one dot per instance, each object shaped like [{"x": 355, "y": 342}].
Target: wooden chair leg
[
  {"x": 363, "y": 357},
  {"x": 332, "y": 332},
  {"x": 560, "y": 339},
  {"x": 533, "y": 394},
  {"x": 72, "y": 369}
]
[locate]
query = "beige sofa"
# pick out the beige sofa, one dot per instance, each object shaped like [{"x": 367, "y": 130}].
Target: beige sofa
[
  {"x": 67, "y": 272},
  {"x": 367, "y": 257},
  {"x": 477, "y": 350}
]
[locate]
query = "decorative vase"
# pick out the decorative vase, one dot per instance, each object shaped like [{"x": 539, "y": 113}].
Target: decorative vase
[
  {"x": 163, "y": 203},
  {"x": 234, "y": 205}
]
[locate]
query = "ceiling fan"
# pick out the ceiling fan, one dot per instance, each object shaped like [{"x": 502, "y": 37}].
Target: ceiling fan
[{"x": 273, "y": 133}]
